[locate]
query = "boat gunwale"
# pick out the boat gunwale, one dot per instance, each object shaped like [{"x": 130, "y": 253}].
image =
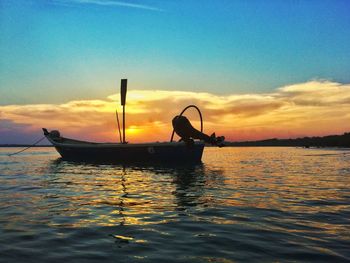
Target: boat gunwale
[{"x": 85, "y": 144}]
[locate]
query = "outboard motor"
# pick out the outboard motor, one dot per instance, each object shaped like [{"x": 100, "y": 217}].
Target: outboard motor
[{"x": 187, "y": 132}]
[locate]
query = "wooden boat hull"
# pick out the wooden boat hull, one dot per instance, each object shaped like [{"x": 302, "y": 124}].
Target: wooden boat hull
[
  {"x": 162, "y": 152},
  {"x": 140, "y": 154}
]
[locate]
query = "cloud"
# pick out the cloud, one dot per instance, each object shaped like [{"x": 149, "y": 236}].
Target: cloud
[
  {"x": 311, "y": 108},
  {"x": 317, "y": 93},
  {"x": 109, "y": 3},
  {"x": 11, "y": 132}
]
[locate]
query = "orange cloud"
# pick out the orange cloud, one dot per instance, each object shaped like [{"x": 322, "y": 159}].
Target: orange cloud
[{"x": 310, "y": 108}]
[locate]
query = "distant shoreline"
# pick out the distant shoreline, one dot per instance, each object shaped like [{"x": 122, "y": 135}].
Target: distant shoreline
[
  {"x": 337, "y": 141},
  {"x": 229, "y": 144},
  {"x": 23, "y": 145},
  {"x": 333, "y": 141}
]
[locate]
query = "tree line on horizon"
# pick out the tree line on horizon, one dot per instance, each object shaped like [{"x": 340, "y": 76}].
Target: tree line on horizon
[{"x": 325, "y": 141}]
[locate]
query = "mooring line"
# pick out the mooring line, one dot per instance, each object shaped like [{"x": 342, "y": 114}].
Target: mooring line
[{"x": 27, "y": 147}]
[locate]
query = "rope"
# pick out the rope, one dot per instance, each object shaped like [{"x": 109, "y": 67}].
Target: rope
[
  {"x": 27, "y": 147},
  {"x": 182, "y": 112}
]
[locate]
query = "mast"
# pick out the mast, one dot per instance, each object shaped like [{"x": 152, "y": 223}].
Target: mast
[{"x": 123, "y": 89}]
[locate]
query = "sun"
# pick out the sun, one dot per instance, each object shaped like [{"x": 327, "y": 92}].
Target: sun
[{"x": 133, "y": 129}]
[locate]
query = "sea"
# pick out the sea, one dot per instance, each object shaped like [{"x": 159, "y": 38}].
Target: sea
[{"x": 242, "y": 204}]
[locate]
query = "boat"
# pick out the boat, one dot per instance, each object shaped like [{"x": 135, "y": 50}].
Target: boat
[
  {"x": 188, "y": 150},
  {"x": 159, "y": 152}
]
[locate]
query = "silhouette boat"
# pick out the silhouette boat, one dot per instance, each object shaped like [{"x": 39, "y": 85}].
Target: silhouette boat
[
  {"x": 160, "y": 152},
  {"x": 188, "y": 150}
]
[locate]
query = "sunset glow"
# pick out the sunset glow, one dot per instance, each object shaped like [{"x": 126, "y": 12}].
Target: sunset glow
[
  {"x": 311, "y": 108},
  {"x": 256, "y": 69}
]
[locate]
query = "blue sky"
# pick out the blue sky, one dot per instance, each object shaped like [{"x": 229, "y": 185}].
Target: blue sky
[{"x": 59, "y": 50}]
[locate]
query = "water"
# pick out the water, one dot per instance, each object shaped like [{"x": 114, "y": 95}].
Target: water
[{"x": 241, "y": 204}]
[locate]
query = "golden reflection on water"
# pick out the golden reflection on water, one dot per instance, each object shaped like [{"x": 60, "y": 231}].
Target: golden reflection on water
[
  {"x": 108, "y": 195},
  {"x": 286, "y": 188}
]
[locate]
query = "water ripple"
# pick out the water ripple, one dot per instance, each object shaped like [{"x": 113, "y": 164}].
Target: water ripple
[{"x": 241, "y": 204}]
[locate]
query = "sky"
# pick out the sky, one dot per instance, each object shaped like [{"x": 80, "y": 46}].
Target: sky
[{"x": 257, "y": 69}]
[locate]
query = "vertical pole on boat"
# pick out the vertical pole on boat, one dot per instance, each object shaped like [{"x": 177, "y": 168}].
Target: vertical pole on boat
[{"x": 123, "y": 87}]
